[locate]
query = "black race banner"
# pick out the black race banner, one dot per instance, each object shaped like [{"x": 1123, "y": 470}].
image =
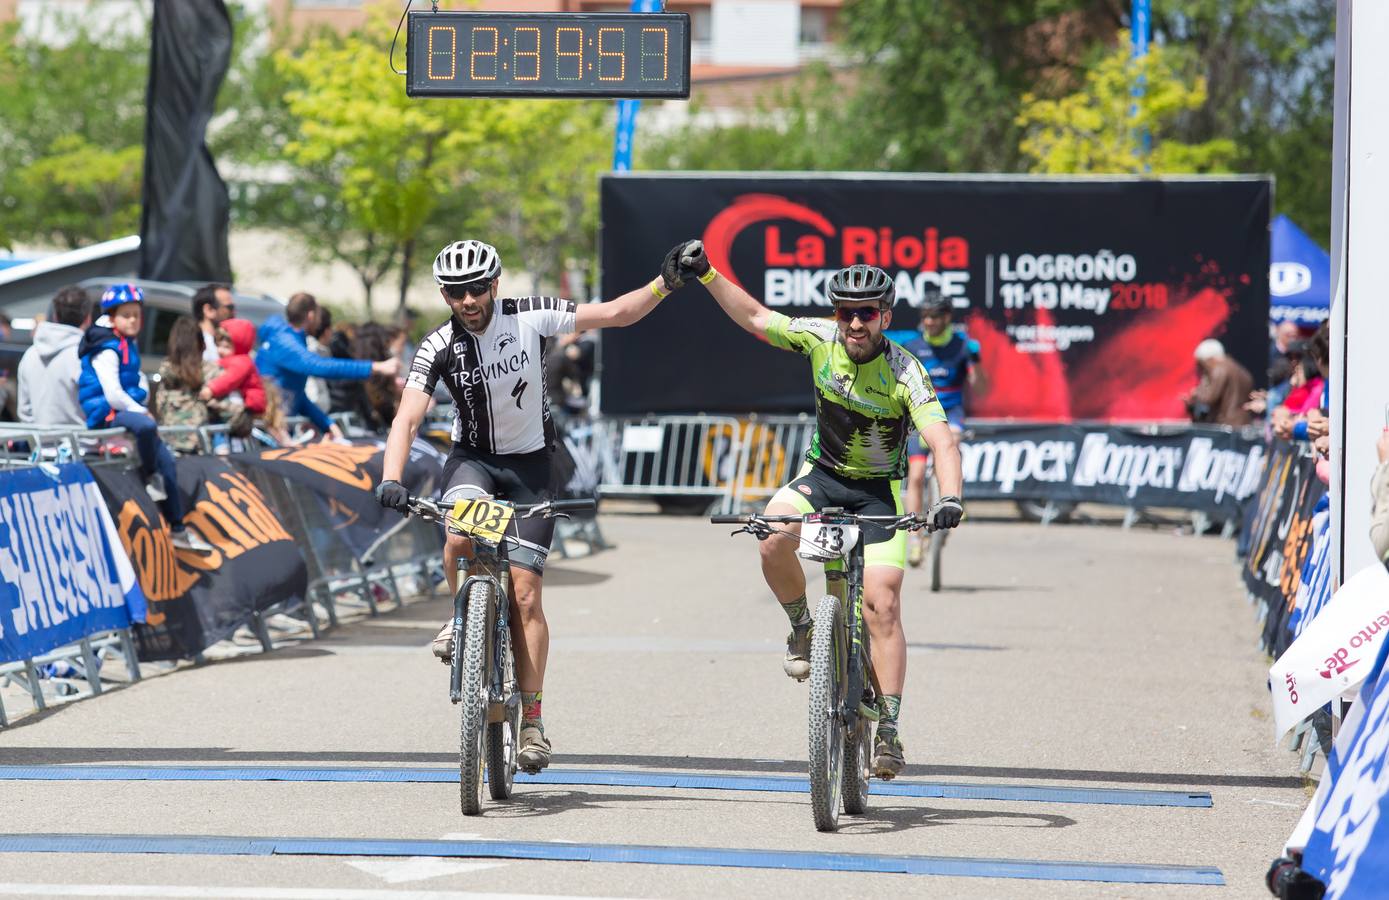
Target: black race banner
[
  {"x": 195, "y": 599},
  {"x": 1087, "y": 295},
  {"x": 342, "y": 478},
  {"x": 1191, "y": 468},
  {"x": 1281, "y": 536}
]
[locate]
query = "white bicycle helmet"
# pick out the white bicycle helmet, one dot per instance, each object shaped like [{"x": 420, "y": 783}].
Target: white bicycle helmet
[{"x": 465, "y": 261}]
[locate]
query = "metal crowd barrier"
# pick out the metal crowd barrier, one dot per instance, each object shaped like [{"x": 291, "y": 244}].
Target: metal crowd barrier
[
  {"x": 668, "y": 457},
  {"x": 335, "y": 572}
]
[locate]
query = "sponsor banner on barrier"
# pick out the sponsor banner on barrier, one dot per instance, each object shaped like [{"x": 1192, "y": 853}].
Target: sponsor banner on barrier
[
  {"x": 1348, "y": 848},
  {"x": 1087, "y": 296},
  {"x": 343, "y": 477},
  {"x": 1194, "y": 469},
  {"x": 197, "y": 599},
  {"x": 63, "y": 572},
  {"x": 1334, "y": 651}
]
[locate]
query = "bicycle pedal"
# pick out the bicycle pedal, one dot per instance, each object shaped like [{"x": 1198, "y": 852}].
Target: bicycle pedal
[{"x": 531, "y": 770}]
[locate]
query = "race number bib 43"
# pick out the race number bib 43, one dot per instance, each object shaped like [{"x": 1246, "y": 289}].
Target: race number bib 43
[
  {"x": 483, "y": 518},
  {"x": 826, "y": 542}
]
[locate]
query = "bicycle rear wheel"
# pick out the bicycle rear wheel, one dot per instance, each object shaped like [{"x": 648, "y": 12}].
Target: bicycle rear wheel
[
  {"x": 856, "y": 764},
  {"x": 473, "y": 659},
  {"x": 504, "y": 736},
  {"x": 828, "y": 659}
]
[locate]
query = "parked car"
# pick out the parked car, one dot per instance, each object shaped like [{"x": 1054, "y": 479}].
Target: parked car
[{"x": 165, "y": 301}]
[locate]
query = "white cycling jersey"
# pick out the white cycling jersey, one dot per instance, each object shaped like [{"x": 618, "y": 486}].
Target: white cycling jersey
[{"x": 496, "y": 378}]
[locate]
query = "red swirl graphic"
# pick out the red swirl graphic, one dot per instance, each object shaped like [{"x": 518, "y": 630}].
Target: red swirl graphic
[{"x": 749, "y": 209}]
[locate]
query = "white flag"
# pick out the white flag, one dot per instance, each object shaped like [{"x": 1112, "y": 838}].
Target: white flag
[{"x": 1334, "y": 651}]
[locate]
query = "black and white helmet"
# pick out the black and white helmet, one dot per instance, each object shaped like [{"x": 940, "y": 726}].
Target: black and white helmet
[
  {"x": 465, "y": 261},
  {"x": 861, "y": 282}
]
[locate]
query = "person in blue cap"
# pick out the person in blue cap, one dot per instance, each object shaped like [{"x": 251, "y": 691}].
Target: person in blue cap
[{"x": 112, "y": 393}]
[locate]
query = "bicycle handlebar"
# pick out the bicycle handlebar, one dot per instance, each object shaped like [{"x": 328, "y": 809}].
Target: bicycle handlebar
[
  {"x": 908, "y": 521},
  {"x": 429, "y": 508}
]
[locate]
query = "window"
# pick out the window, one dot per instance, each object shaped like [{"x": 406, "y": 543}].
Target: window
[
  {"x": 701, "y": 24},
  {"x": 814, "y": 25}
]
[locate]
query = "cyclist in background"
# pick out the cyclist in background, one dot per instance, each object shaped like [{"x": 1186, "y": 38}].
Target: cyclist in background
[
  {"x": 869, "y": 392},
  {"x": 951, "y": 359}
]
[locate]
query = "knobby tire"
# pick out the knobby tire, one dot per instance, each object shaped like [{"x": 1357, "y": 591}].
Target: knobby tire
[
  {"x": 503, "y": 737},
  {"x": 474, "y": 703},
  {"x": 826, "y": 735}
]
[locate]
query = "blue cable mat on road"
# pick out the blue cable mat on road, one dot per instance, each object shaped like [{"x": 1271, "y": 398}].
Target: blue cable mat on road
[
  {"x": 587, "y": 777},
  {"x": 206, "y": 845}
]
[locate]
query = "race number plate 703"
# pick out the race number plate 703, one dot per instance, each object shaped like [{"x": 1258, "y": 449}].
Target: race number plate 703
[{"x": 482, "y": 517}]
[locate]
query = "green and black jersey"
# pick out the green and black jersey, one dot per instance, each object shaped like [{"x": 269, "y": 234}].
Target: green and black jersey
[{"x": 864, "y": 413}]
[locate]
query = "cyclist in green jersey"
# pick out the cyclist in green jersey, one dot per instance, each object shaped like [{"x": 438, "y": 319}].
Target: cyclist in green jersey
[{"x": 868, "y": 394}]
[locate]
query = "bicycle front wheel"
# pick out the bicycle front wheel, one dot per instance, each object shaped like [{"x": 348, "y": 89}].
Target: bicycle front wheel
[
  {"x": 828, "y": 662},
  {"x": 503, "y": 736},
  {"x": 473, "y": 659}
]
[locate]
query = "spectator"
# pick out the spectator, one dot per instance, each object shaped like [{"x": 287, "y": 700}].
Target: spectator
[
  {"x": 111, "y": 392},
  {"x": 569, "y": 370},
  {"x": 238, "y": 383},
  {"x": 1224, "y": 387},
  {"x": 285, "y": 359},
  {"x": 48, "y": 370},
  {"x": 317, "y": 342},
  {"x": 373, "y": 401},
  {"x": 1379, "y": 490},
  {"x": 183, "y": 373},
  {"x": 1285, "y": 336},
  {"x": 212, "y": 305},
  {"x": 343, "y": 394}
]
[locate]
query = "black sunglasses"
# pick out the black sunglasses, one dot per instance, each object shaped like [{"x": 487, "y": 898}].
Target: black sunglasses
[
  {"x": 864, "y": 314},
  {"x": 473, "y": 288}
]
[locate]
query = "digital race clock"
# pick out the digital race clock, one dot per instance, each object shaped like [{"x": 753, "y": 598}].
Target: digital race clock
[{"x": 468, "y": 54}]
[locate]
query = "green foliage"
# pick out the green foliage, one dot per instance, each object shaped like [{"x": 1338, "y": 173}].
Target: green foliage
[
  {"x": 378, "y": 180},
  {"x": 84, "y": 190},
  {"x": 1099, "y": 128},
  {"x": 71, "y": 134}
]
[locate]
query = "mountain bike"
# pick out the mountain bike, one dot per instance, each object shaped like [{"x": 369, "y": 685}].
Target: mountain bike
[
  {"x": 935, "y": 551},
  {"x": 843, "y": 695},
  {"x": 482, "y": 673}
]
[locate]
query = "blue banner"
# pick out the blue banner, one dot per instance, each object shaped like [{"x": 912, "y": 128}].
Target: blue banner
[
  {"x": 1349, "y": 847},
  {"x": 63, "y": 572},
  {"x": 627, "y": 109}
]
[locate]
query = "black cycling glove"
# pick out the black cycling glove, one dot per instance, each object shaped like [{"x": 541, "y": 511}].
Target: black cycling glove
[
  {"x": 393, "y": 495},
  {"x": 670, "y": 268},
  {"x": 693, "y": 261},
  {"x": 947, "y": 512}
]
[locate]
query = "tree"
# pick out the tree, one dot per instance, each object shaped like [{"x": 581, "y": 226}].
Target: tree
[
  {"x": 538, "y": 195},
  {"x": 1100, "y": 128},
  {"x": 384, "y": 160},
  {"x": 71, "y": 132},
  {"x": 1269, "y": 67}
]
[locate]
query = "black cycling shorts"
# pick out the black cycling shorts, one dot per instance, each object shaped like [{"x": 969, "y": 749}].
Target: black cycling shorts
[
  {"x": 519, "y": 478},
  {"x": 815, "y": 488}
]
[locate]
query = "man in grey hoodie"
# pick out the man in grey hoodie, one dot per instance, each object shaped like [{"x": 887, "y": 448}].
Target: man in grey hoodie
[{"x": 48, "y": 370}]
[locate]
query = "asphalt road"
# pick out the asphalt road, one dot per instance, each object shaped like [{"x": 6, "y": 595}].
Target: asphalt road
[{"x": 1071, "y": 656}]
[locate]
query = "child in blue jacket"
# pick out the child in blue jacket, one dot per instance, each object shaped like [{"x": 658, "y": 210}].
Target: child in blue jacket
[{"x": 112, "y": 393}]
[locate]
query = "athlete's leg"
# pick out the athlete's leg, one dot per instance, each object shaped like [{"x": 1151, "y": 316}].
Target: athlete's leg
[
  {"x": 530, "y": 633},
  {"x": 780, "y": 565},
  {"x": 882, "y": 612}
]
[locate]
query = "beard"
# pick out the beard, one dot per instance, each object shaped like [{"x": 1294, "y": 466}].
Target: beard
[
  {"x": 862, "y": 351},
  {"x": 482, "y": 322}
]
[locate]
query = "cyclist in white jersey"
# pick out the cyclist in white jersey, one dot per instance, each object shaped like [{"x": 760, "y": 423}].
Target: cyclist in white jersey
[{"x": 489, "y": 356}]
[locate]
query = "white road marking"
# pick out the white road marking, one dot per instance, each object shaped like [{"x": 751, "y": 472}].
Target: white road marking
[
  {"x": 253, "y": 893},
  {"x": 420, "y": 868}
]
